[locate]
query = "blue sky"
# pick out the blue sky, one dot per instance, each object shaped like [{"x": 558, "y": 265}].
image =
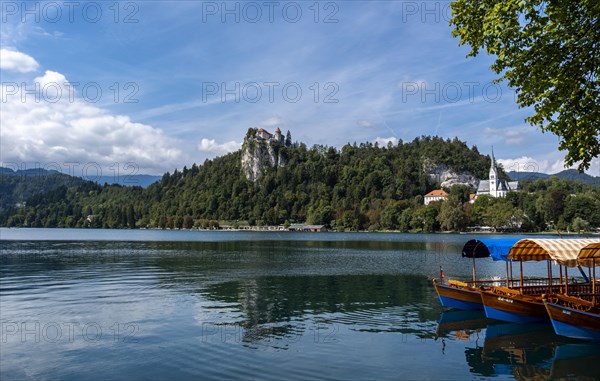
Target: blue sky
[{"x": 163, "y": 84}]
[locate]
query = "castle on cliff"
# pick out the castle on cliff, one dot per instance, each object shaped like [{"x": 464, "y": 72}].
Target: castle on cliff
[
  {"x": 261, "y": 149},
  {"x": 262, "y": 134}
]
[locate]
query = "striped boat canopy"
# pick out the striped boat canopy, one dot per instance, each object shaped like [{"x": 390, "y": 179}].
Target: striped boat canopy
[
  {"x": 590, "y": 255},
  {"x": 497, "y": 248},
  {"x": 563, "y": 251}
]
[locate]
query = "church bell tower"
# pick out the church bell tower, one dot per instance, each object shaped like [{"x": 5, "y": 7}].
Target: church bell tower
[{"x": 493, "y": 177}]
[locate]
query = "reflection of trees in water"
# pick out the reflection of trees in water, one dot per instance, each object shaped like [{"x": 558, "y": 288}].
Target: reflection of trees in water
[
  {"x": 279, "y": 305},
  {"x": 277, "y": 285},
  {"x": 279, "y": 246}
]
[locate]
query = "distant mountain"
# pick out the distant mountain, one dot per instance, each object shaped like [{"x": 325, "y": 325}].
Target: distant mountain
[
  {"x": 523, "y": 176},
  {"x": 567, "y": 174},
  {"x": 572, "y": 174},
  {"x": 18, "y": 186},
  {"x": 27, "y": 172}
]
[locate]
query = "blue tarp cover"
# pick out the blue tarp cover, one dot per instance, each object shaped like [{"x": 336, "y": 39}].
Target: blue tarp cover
[{"x": 497, "y": 248}]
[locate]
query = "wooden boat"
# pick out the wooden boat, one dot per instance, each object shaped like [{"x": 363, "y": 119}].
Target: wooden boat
[
  {"x": 578, "y": 316},
  {"x": 574, "y": 317},
  {"x": 460, "y": 295},
  {"x": 523, "y": 304},
  {"x": 467, "y": 295},
  {"x": 506, "y": 304}
]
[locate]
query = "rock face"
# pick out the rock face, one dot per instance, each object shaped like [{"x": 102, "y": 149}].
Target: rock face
[
  {"x": 257, "y": 155},
  {"x": 448, "y": 177}
]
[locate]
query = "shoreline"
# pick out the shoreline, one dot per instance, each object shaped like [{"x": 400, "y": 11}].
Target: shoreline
[{"x": 266, "y": 230}]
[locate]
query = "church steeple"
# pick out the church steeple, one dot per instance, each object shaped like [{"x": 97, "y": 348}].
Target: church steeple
[{"x": 493, "y": 176}]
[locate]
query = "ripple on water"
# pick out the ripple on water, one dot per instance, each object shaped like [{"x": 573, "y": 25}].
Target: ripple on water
[{"x": 231, "y": 310}]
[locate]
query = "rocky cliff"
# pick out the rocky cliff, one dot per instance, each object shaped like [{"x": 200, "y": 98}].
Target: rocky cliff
[
  {"x": 447, "y": 177},
  {"x": 258, "y": 155}
]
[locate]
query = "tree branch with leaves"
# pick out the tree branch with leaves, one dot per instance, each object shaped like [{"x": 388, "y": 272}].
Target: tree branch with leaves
[{"x": 549, "y": 51}]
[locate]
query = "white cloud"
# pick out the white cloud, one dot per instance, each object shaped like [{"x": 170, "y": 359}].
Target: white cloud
[
  {"x": 66, "y": 129},
  {"x": 51, "y": 78},
  {"x": 211, "y": 146},
  {"x": 513, "y": 135},
  {"x": 558, "y": 165},
  {"x": 550, "y": 165},
  {"x": 594, "y": 168},
  {"x": 383, "y": 142},
  {"x": 364, "y": 123},
  {"x": 272, "y": 122},
  {"x": 13, "y": 60},
  {"x": 526, "y": 164}
]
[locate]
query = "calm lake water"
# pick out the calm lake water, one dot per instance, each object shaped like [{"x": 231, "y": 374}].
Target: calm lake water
[{"x": 153, "y": 305}]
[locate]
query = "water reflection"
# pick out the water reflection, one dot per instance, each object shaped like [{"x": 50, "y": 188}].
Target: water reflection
[
  {"x": 523, "y": 351},
  {"x": 369, "y": 303},
  {"x": 356, "y": 308}
]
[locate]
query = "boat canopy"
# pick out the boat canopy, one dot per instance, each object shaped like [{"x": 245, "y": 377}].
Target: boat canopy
[
  {"x": 497, "y": 248},
  {"x": 563, "y": 251},
  {"x": 589, "y": 256}
]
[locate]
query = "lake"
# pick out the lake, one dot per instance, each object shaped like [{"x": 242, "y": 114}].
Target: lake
[{"x": 190, "y": 305}]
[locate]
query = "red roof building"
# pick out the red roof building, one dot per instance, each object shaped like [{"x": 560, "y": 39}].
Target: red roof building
[
  {"x": 435, "y": 195},
  {"x": 264, "y": 134}
]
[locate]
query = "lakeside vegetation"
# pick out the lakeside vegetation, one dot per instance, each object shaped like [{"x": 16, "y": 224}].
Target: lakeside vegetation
[{"x": 358, "y": 187}]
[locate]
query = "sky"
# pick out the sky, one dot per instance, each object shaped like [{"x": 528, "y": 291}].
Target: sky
[{"x": 144, "y": 87}]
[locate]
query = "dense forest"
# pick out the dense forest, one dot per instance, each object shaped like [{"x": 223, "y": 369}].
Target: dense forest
[
  {"x": 357, "y": 187},
  {"x": 16, "y": 187}
]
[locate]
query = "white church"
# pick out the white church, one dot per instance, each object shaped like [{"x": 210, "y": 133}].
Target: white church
[{"x": 494, "y": 186}]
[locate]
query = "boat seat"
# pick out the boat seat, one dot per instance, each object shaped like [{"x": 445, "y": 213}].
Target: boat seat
[
  {"x": 505, "y": 290},
  {"x": 457, "y": 283},
  {"x": 575, "y": 300}
]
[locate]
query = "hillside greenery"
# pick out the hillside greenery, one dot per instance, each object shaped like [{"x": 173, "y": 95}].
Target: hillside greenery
[
  {"x": 357, "y": 187},
  {"x": 16, "y": 187}
]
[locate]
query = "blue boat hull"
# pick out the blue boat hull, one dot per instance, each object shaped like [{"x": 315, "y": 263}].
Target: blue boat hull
[
  {"x": 459, "y": 298},
  {"x": 575, "y": 332},
  {"x": 514, "y": 309},
  {"x": 459, "y": 304},
  {"x": 574, "y": 323},
  {"x": 494, "y": 313}
]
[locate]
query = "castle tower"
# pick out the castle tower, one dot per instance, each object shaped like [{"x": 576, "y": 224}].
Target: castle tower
[
  {"x": 493, "y": 177},
  {"x": 278, "y": 136}
]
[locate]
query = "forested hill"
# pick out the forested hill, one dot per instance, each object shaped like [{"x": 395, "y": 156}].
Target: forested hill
[
  {"x": 567, "y": 174},
  {"x": 18, "y": 186},
  {"x": 356, "y": 187}
]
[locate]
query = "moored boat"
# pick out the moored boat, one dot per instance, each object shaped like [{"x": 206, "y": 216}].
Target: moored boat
[
  {"x": 460, "y": 295},
  {"x": 467, "y": 295},
  {"x": 574, "y": 317},
  {"x": 523, "y": 304},
  {"x": 578, "y": 316},
  {"x": 506, "y": 304}
]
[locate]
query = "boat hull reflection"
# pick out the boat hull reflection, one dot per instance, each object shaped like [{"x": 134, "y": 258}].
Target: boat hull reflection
[
  {"x": 520, "y": 351},
  {"x": 462, "y": 323}
]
